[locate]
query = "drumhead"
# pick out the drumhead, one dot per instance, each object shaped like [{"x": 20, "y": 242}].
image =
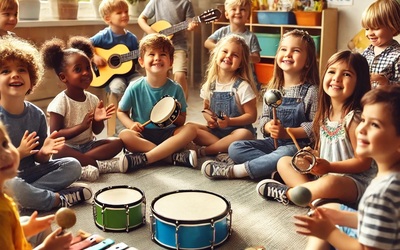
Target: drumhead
[
  {"x": 119, "y": 196},
  {"x": 190, "y": 205},
  {"x": 163, "y": 109}
]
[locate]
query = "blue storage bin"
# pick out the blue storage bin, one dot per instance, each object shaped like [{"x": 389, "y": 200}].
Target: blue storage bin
[
  {"x": 276, "y": 17},
  {"x": 269, "y": 43}
]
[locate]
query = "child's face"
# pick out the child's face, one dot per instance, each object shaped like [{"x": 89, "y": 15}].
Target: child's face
[
  {"x": 340, "y": 81},
  {"x": 376, "y": 134},
  {"x": 238, "y": 14},
  {"x": 118, "y": 18},
  {"x": 78, "y": 72},
  {"x": 229, "y": 57},
  {"x": 156, "y": 62},
  {"x": 14, "y": 79},
  {"x": 291, "y": 55},
  {"x": 9, "y": 158},
  {"x": 8, "y": 20},
  {"x": 381, "y": 37}
]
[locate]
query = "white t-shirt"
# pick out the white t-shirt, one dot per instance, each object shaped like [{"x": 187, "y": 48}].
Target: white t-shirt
[{"x": 244, "y": 92}]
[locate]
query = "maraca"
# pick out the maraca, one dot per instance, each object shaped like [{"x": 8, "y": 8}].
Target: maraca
[
  {"x": 65, "y": 218},
  {"x": 301, "y": 196},
  {"x": 273, "y": 98}
]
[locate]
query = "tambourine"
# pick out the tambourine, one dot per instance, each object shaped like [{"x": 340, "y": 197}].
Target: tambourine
[
  {"x": 165, "y": 112},
  {"x": 303, "y": 161}
]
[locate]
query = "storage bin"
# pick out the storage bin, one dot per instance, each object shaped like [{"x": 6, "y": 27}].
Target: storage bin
[
  {"x": 264, "y": 72},
  {"x": 308, "y": 18},
  {"x": 68, "y": 9},
  {"x": 317, "y": 41},
  {"x": 276, "y": 17},
  {"x": 269, "y": 43}
]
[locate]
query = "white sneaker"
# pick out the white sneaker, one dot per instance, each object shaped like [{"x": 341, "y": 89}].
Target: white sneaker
[
  {"x": 114, "y": 165},
  {"x": 89, "y": 173}
]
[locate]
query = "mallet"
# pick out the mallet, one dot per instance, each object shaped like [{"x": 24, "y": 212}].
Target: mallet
[
  {"x": 65, "y": 218},
  {"x": 273, "y": 98}
]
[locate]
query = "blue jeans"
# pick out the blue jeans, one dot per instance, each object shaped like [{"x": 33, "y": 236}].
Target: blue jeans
[
  {"x": 260, "y": 156},
  {"x": 40, "y": 194}
]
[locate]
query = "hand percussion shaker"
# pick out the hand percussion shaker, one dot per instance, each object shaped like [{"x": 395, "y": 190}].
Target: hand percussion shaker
[
  {"x": 273, "y": 98},
  {"x": 65, "y": 218}
]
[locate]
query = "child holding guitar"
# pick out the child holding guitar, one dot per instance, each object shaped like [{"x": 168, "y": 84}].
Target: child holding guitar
[
  {"x": 114, "y": 39},
  {"x": 174, "y": 12}
]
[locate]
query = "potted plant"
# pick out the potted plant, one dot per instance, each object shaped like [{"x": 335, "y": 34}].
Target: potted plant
[{"x": 67, "y": 9}]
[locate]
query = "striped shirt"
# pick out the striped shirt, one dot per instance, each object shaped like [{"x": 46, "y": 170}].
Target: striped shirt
[{"x": 379, "y": 213}]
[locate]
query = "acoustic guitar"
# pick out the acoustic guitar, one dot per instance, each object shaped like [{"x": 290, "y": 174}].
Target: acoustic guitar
[
  {"x": 165, "y": 28},
  {"x": 119, "y": 63}
]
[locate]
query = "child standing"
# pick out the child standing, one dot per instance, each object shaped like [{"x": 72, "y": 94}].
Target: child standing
[
  {"x": 339, "y": 172},
  {"x": 377, "y": 220},
  {"x": 381, "y": 20},
  {"x": 41, "y": 184},
  {"x": 13, "y": 233},
  {"x": 115, "y": 15},
  {"x": 8, "y": 16},
  {"x": 150, "y": 144},
  {"x": 229, "y": 105},
  {"x": 296, "y": 76},
  {"x": 174, "y": 12},
  {"x": 77, "y": 114}
]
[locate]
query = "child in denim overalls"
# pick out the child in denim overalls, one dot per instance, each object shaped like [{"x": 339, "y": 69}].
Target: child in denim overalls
[
  {"x": 229, "y": 98},
  {"x": 296, "y": 76}
]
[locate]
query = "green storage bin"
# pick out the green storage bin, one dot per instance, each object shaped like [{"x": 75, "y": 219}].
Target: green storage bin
[
  {"x": 269, "y": 43},
  {"x": 317, "y": 41}
]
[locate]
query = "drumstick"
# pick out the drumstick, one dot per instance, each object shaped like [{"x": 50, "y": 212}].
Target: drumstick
[
  {"x": 293, "y": 138},
  {"x": 65, "y": 218}
]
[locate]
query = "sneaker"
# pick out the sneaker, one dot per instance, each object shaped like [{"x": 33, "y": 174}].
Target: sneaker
[
  {"x": 133, "y": 161},
  {"x": 271, "y": 189},
  {"x": 224, "y": 157},
  {"x": 74, "y": 194},
  {"x": 89, "y": 173},
  {"x": 277, "y": 177},
  {"x": 217, "y": 170},
  {"x": 187, "y": 158},
  {"x": 114, "y": 165}
]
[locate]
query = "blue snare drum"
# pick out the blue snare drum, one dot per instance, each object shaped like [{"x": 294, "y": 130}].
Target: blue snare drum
[{"x": 190, "y": 219}]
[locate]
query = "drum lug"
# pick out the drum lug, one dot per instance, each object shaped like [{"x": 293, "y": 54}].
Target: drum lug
[
  {"x": 102, "y": 218},
  {"x": 230, "y": 222},
  {"x": 213, "y": 230},
  {"x": 176, "y": 234},
  {"x": 127, "y": 218},
  {"x": 152, "y": 226}
]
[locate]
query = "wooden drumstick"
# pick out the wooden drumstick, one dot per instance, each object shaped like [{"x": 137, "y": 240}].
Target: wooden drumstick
[
  {"x": 65, "y": 218},
  {"x": 273, "y": 98},
  {"x": 293, "y": 138}
]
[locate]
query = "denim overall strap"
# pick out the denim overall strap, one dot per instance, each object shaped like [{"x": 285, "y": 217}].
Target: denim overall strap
[{"x": 224, "y": 102}]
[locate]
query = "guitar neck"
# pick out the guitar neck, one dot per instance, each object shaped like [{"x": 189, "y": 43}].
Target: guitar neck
[
  {"x": 131, "y": 55},
  {"x": 178, "y": 27}
]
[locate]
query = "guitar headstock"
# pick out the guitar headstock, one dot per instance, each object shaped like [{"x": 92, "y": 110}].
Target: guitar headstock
[{"x": 209, "y": 16}]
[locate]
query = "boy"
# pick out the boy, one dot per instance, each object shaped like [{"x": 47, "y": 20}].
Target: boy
[
  {"x": 381, "y": 21},
  {"x": 378, "y": 222},
  {"x": 115, "y": 15},
  {"x": 150, "y": 143},
  {"x": 174, "y": 12},
  {"x": 41, "y": 184},
  {"x": 8, "y": 16}
]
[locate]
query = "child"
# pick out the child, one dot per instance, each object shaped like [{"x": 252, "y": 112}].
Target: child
[
  {"x": 174, "y": 12},
  {"x": 13, "y": 233},
  {"x": 75, "y": 113},
  {"x": 229, "y": 105},
  {"x": 237, "y": 12},
  {"x": 8, "y": 16},
  {"x": 377, "y": 220},
  {"x": 296, "y": 75},
  {"x": 115, "y": 15},
  {"x": 339, "y": 173},
  {"x": 41, "y": 184},
  {"x": 381, "y": 21},
  {"x": 150, "y": 144}
]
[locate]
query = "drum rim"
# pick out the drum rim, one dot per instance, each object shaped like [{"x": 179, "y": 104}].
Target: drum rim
[
  {"x": 189, "y": 222},
  {"x": 96, "y": 201}
]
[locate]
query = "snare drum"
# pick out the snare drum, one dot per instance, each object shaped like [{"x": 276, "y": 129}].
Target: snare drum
[
  {"x": 190, "y": 219},
  {"x": 119, "y": 208},
  {"x": 165, "y": 112}
]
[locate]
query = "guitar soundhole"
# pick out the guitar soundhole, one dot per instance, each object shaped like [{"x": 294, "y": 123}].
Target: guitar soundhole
[{"x": 114, "y": 61}]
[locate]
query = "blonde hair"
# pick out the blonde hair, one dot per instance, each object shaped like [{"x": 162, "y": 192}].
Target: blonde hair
[
  {"x": 231, "y": 3},
  {"x": 244, "y": 71},
  {"x": 8, "y": 4},
  {"x": 14, "y": 48},
  {"x": 382, "y": 13},
  {"x": 108, "y": 6},
  {"x": 156, "y": 41}
]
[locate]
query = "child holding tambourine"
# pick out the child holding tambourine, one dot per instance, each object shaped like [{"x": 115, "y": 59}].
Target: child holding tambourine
[
  {"x": 149, "y": 142},
  {"x": 339, "y": 173}
]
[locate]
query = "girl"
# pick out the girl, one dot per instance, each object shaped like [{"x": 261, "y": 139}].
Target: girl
[
  {"x": 296, "y": 76},
  {"x": 77, "y": 114},
  {"x": 344, "y": 175},
  {"x": 13, "y": 232},
  {"x": 8, "y": 17},
  {"x": 229, "y": 105}
]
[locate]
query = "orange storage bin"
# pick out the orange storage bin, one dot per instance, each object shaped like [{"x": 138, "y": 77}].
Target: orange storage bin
[
  {"x": 308, "y": 18},
  {"x": 264, "y": 72}
]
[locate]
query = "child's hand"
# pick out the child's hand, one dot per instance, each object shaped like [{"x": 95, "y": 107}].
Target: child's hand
[
  {"x": 36, "y": 225},
  {"x": 137, "y": 126},
  {"x": 192, "y": 25},
  {"x": 102, "y": 113},
  {"x": 54, "y": 241},
  {"x": 87, "y": 120},
  {"x": 378, "y": 80},
  {"x": 224, "y": 122},
  {"x": 277, "y": 130},
  {"x": 52, "y": 144},
  {"x": 318, "y": 225},
  {"x": 28, "y": 144},
  {"x": 99, "y": 61},
  {"x": 321, "y": 167}
]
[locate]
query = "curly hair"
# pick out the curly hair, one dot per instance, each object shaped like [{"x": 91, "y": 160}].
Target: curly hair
[{"x": 21, "y": 50}]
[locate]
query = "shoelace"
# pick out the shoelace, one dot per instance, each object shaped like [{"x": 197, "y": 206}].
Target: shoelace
[
  {"x": 219, "y": 170},
  {"x": 137, "y": 159},
  {"x": 181, "y": 158},
  {"x": 73, "y": 197},
  {"x": 112, "y": 164},
  {"x": 278, "y": 194}
]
